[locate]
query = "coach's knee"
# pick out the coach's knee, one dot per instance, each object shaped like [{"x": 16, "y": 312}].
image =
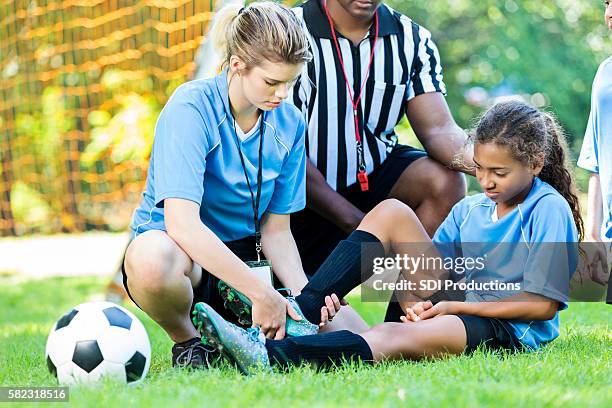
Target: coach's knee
[{"x": 156, "y": 269}]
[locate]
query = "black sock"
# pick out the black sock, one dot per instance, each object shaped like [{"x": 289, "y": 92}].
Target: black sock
[
  {"x": 341, "y": 272},
  {"x": 324, "y": 350}
]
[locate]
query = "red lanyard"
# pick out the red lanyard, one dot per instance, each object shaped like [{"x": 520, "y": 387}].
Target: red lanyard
[{"x": 362, "y": 176}]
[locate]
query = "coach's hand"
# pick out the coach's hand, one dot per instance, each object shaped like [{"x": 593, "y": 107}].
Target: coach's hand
[{"x": 270, "y": 312}]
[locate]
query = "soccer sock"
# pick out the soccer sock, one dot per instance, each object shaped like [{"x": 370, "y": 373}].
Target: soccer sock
[
  {"x": 341, "y": 272},
  {"x": 324, "y": 350}
]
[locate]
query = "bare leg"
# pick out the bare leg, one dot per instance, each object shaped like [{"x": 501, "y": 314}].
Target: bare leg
[
  {"x": 161, "y": 277},
  {"x": 434, "y": 337},
  {"x": 393, "y": 222},
  {"x": 399, "y": 229},
  {"x": 346, "y": 319}
]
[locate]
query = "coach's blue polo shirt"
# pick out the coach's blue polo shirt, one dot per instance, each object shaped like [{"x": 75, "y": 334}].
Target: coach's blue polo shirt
[
  {"x": 195, "y": 157},
  {"x": 533, "y": 246},
  {"x": 596, "y": 153}
]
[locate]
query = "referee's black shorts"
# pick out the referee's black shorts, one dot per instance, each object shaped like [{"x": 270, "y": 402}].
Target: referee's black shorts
[{"x": 316, "y": 237}]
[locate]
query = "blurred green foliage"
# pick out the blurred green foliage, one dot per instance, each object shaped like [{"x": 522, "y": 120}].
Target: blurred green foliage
[
  {"x": 120, "y": 131},
  {"x": 546, "y": 51},
  {"x": 39, "y": 133}
]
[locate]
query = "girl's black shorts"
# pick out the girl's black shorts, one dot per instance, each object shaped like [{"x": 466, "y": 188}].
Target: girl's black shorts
[{"x": 488, "y": 333}]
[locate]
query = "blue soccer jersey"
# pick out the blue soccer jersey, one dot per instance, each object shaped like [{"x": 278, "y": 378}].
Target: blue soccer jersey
[
  {"x": 596, "y": 152},
  {"x": 531, "y": 249},
  {"x": 195, "y": 157}
]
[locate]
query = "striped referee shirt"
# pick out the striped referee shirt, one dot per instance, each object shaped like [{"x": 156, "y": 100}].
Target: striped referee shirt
[{"x": 406, "y": 64}]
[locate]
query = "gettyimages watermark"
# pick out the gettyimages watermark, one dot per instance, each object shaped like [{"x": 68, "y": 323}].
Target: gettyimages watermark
[{"x": 486, "y": 271}]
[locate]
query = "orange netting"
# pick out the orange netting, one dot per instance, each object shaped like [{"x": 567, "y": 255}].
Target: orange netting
[{"x": 81, "y": 85}]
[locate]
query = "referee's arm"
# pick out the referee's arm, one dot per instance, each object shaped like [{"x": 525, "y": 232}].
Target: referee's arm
[
  {"x": 326, "y": 202},
  {"x": 437, "y": 131}
]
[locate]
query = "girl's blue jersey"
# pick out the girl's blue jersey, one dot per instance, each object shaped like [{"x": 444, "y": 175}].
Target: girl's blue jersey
[{"x": 531, "y": 249}]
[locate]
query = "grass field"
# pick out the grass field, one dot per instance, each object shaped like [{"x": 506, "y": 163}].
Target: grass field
[{"x": 575, "y": 370}]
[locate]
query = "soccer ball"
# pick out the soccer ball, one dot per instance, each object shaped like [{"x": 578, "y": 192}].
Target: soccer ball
[{"x": 98, "y": 340}]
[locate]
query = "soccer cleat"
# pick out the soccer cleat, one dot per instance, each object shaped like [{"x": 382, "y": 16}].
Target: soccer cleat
[
  {"x": 245, "y": 348},
  {"x": 240, "y": 305},
  {"x": 237, "y": 303},
  {"x": 195, "y": 354},
  {"x": 295, "y": 328}
]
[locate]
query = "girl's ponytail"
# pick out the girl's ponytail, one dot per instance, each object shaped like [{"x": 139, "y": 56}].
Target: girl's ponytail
[
  {"x": 556, "y": 169},
  {"x": 530, "y": 135}
]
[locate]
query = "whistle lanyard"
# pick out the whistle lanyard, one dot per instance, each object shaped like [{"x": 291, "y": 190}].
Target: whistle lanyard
[
  {"x": 254, "y": 199},
  {"x": 362, "y": 176}
]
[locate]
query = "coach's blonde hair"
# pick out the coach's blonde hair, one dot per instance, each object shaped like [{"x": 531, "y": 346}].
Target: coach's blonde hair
[{"x": 257, "y": 32}]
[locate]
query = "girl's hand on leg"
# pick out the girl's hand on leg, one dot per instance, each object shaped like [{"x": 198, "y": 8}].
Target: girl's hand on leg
[
  {"x": 324, "y": 317},
  {"x": 420, "y": 307},
  {"x": 331, "y": 308},
  {"x": 410, "y": 316},
  {"x": 413, "y": 313},
  {"x": 439, "y": 309}
]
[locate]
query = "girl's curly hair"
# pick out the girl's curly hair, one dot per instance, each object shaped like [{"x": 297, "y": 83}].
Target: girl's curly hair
[{"x": 531, "y": 134}]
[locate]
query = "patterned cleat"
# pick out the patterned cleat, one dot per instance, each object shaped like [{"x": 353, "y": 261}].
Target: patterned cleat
[
  {"x": 245, "y": 348},
  {"x": 296, "y": 328},
  {"x": 237, "y": 303},
  {"x": 240, "y": 305}
]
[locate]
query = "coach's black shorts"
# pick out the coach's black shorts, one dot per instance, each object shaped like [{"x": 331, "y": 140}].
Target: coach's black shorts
[
  {"x": 488, "y": 333},
  {"x": 207, "y": 291},
  {"x": 316, "y": 237}
]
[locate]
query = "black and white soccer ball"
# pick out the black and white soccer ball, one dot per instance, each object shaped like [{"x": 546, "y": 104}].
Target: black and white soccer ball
[{"x": 98, "y": 340}]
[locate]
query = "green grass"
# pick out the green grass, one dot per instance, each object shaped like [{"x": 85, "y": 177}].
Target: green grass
[{"x": 574, "y": 370}]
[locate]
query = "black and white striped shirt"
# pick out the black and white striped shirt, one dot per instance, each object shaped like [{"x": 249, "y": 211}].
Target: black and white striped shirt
[{"x": 406, "y": 64}]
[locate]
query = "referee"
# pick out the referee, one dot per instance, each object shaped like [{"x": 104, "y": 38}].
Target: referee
[{"x": 371, "y": 66}]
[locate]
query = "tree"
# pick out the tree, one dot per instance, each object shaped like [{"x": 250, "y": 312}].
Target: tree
[{"x": 546, "y": 50}]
